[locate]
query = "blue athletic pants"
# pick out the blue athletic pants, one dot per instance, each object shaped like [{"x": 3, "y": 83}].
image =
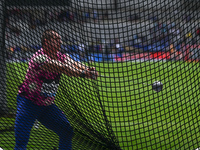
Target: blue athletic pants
[{"x": 50, "y": 116}]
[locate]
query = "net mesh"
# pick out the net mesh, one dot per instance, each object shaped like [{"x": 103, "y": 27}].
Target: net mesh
[{"x": 131, "y": 44}]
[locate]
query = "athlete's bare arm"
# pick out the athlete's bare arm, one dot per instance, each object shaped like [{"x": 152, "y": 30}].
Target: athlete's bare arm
[
  {"x": 76, "y": 64},
  {"x": 68, "y": 68}
]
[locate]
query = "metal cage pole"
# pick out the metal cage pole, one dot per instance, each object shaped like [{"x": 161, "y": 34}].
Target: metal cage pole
[{"x": 3, "y": 100}]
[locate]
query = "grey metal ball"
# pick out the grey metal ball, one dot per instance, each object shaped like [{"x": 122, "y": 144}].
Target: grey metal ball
[{"x": 157, "y": 86}]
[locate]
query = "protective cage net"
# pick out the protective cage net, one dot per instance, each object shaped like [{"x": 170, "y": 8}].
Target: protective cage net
[{"x": 131, "y": 44}]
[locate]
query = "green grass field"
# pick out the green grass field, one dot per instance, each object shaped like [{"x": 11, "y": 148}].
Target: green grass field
[{"x": 140, "y": 117}]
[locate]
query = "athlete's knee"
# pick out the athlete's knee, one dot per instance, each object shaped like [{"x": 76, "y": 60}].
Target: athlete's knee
[
  {"x": 69, "y": 129},
  {"x": 66, "y": 131},
  {"x": 20, "y": 147},
  {"x": 22, "y": 134},
  {"x": 21, "y": 141}
]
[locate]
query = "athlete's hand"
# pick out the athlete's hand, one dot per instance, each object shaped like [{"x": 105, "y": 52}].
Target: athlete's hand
[
  {"x": 91, "y": 69},
  {"x": 90, "y": 74}
]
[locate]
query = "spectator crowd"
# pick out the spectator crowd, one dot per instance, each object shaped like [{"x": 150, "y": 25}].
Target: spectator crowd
[{"x": 161, "y": 34}]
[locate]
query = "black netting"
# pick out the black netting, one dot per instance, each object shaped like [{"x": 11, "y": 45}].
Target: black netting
[{"x": 147, "y": 57}]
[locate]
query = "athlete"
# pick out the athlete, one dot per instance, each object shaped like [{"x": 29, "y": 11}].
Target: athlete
[{"x": 35, "y": 99}]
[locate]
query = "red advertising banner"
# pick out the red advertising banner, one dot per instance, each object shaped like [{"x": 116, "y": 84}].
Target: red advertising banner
[
  {"x": 192, "y": 53},
  {"x": 188, "y": 53},
  {"x": 144, "y": 56}
]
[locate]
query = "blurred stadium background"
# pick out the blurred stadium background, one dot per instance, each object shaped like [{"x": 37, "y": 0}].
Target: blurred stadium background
[
  {"x": 141, "y": 39},
  {"x": 119, "y": 26}
]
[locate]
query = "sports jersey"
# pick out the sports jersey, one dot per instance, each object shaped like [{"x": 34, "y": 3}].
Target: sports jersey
[{"x": 40, "y": 86}]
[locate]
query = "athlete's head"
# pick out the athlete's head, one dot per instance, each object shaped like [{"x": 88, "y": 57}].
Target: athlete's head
[{"x": 51, "y": 40}]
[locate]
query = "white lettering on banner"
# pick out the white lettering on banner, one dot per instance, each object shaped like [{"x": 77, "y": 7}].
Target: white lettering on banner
[{"x": 49, "y": 89}]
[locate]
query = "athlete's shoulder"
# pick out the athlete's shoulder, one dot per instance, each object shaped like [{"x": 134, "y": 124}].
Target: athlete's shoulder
[
  {"x": 39, "y": 57},
  {"x": 67, "y": 55},
  {"x": 63, "y": 56}
]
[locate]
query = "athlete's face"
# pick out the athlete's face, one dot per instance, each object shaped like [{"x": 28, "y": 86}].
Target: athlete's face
[{"x": 55, "y": 42}]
